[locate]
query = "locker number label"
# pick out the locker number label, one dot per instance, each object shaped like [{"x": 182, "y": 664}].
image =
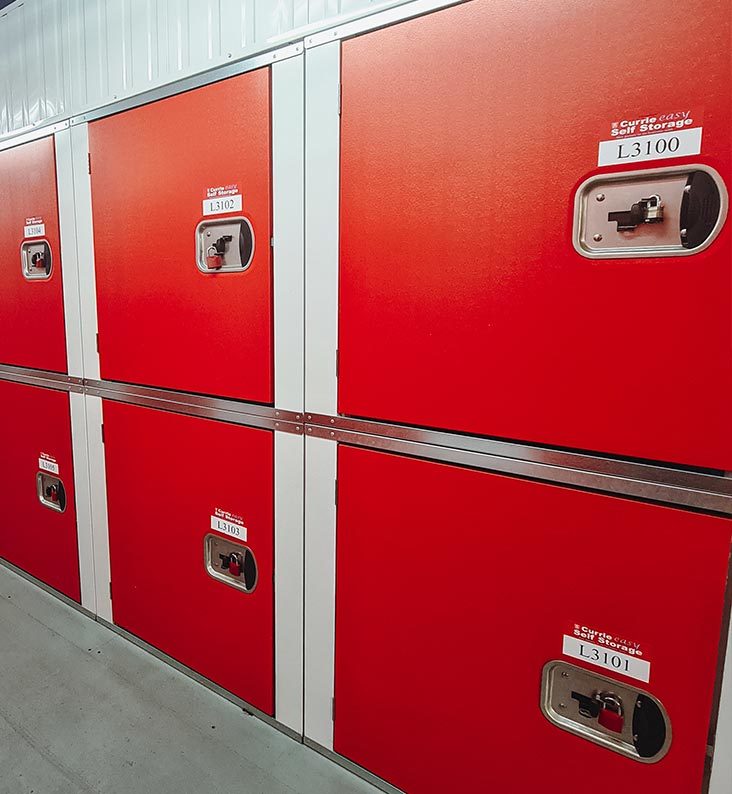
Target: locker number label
[
  {"x": 669, "y": 132},
  {"x": 607, "y": 658},
  {"x": 34, "y": 227},
  {"x": 661, "y": 146},
  {"x": 228, "y": 527},
  {"x": 221, "y": 204},
  {"x": 48, "y": 463}
]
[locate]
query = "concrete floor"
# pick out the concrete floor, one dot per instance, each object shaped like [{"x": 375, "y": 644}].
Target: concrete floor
[{"x": 83, "y": 710}]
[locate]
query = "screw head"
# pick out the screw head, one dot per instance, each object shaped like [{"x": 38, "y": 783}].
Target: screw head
[
  {"x": 600, "y": 197},
  {"x": 597, "y": 237},
  {"x": 562, "y": 705}
]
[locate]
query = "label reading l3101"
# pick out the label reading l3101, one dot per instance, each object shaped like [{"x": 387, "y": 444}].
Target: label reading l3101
[{"x": 607, "y": 658}]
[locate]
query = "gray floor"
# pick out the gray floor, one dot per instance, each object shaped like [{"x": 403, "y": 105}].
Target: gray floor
[{"x": 83, "y": 710}]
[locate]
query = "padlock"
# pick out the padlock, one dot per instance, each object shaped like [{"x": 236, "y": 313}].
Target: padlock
[
  {"x": 611, "y": 715},
  {"x": 214, "y": 260},
  {"x": 52, "y": 493},
  {"x": 225, "y": 560},
  {"x": 235, "y": 564},
  {"x": 39, "y": 262}
]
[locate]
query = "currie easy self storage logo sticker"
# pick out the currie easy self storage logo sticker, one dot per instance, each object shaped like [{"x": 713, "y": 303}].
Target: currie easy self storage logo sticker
[
  {"x": 48, "y": 463},
  {"x": 611, "y": 652},
  {"x": 222, "y": 199},
  {"x": 654, "y": 136},
  {"x": 34, "y": 227},
  {"x": 229, "y": 524}
]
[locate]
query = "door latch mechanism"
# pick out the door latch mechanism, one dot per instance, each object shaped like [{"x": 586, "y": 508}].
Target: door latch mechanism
[
  {"x": 672, "y": 211},
  {"x": 230, "y": 562},
  {"x": 224, "y": 245},
  {"x": 647, "y": 210},
  {"x": 51, "y": 492},
  {"x": 35, "y": 258},
  {"x": 617, "y": 716}
]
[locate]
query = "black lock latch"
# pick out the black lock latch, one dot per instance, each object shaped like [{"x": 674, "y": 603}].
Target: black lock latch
[
  {"x": 647, "y": 210},
  {"x": 221, "y": 243},
  {"x": 588, "y": 707}
]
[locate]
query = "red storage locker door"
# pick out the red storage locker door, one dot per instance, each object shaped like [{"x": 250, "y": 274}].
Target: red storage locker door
[
  {"x": 168, "y": 476},
  {"x": 455, "y": 587},
  {"x": 38, "y": 536},
  {"x": 32, "y": 331},
  {"x": 165, "y": 318},
  {"x": 464, "y": 304}
]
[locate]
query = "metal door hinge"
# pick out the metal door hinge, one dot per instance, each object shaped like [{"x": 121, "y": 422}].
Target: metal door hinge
[
  {"x": 88, "y": 161},
  {"x": 338, "y": 362},
  {"x": 103, "y": 441},
  {"x": 97, "y": 340},
  {"x": 336, "y": 493},
  {"x": 110, "y": 591},
  {"x": 332, "y": 709},
  {"x": 340, "y": 98}
]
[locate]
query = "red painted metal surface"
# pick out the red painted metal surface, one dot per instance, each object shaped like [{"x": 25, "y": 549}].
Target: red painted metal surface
[
  {"x": 455, "y": 587},
  {"x": 32, "y": 331},
  {"x": 166, "y": 475},
  {"x": 39, "y": 540},
  {"x": 209, "y": 333},
  {"x": 465, "y": 134}
]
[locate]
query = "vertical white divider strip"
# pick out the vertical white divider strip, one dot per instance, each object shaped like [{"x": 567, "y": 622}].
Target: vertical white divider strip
[
  {"x": 69, "y": 257},
  {"x": 288, "y": 202},
  {"x": 322, "y": 148},
  {"x": 72, "y": 319},
  {"x": 82, "y": 488},
  {"x": 289, "y": 455},
  {"x": 87, "y": 314},
  {"x": 320, "y": 571},
  {"x": 98, "y": 488},
  {"x": 85, "y": 249},
  {"x": 721, "y": 780}
]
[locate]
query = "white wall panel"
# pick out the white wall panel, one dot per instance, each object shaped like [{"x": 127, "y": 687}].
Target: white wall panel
[
  {"x": 4, "y": 79},
  {"x": 94, "y": 21},
  {"x": 62, "y": 57},
  {"x": 51, "y": 23},
  {"x": 33, "y": 61},
  {"x": 74, "y": 53},
  {"x": 14, "y": 56}
]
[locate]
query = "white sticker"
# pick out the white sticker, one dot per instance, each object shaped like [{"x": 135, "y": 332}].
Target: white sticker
[
  {"x": 48, "y": 464},
  {"x": 221, "y": 204},
  {"x": 35, "y": 230},
  {"x": 681, "y": 143},
  {"x": 229, "y": 527},
  {"x": 609, "y": 659}
]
